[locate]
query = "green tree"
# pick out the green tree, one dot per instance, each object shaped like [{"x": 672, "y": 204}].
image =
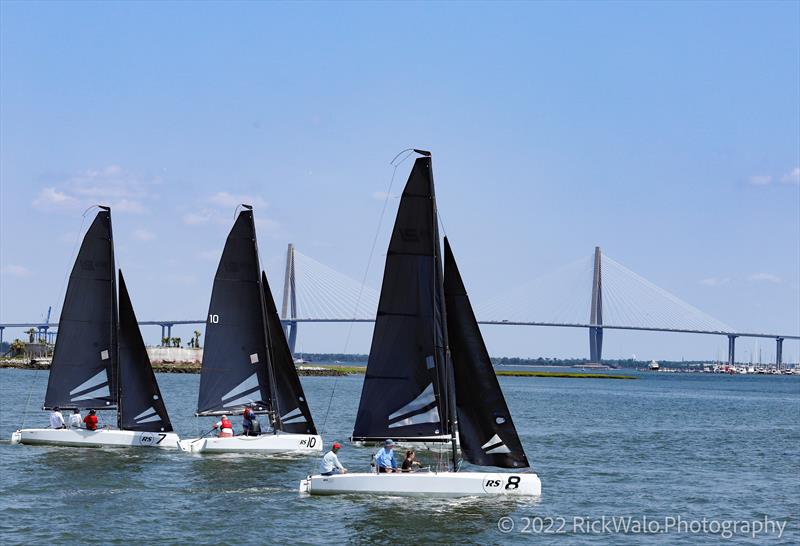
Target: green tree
[
  {"x": 165, "y": 342},
  {"x": 31, "y": 334},
  {"x": 17, "y": 347},
  {"x": 197, "y": 339}
]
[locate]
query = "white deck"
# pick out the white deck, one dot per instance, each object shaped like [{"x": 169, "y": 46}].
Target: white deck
[
  {"x": 77, "y": 437},
  {"x": 280, "y": 443},
  {"x": 432, "y": 484}
]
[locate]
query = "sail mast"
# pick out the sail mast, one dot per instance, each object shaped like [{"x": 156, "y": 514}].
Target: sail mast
[
  {"x": 273, "y": 396},
  {"x": 115, "y": 371}
]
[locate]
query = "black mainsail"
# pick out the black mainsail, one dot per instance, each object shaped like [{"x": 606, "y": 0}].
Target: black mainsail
[
  {"x": 83, "y": 373},
  {"x": 405, "y": 394},
  {"x": 141, "y": 407},
  {"x": 487, "y": 433},
  {"x": 235, "y": 369},
  {"x": 290, "y": 401}
]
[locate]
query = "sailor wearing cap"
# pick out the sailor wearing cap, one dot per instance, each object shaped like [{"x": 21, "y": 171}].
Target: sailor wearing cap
[
  {"x": 384, "y": 458},
  {"x": 330, "y": 464}
]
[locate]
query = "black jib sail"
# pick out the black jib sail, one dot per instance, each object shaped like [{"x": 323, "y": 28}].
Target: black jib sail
[
  {"x": 141, "y": 407},
  {"x": 487, "y": 433},
  {"x": 404, "y": 394},
  {"x": 290, "y": 404},
  {"x": 83, "y": 371},
  {"x": 234, "y": 373}
]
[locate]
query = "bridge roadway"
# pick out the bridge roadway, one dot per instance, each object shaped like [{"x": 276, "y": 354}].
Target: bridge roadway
[{"x": 166, "y": 329}]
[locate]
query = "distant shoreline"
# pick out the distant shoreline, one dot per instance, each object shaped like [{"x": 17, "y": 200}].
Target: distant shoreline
[{"x": 319, "y": 371}]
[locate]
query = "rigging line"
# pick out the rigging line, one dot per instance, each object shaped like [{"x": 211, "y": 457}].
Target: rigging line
[{"x": 28, "y": 401}]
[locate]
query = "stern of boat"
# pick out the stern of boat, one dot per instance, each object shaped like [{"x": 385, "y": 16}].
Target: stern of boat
[
  {"x": 305, "y": 485},
  {"x": 16, "y": 437}
]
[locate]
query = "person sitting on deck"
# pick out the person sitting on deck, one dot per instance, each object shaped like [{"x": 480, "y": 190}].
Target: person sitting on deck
[
  {"x": 330, "y": 464},
  {"x": 225, "y": 427},
  {"x": 75, "y": 419},
  {"x": 410, "y": 462},
  {"x": 56, "y": 419},
  {"x": 384, "y": 458},
  {"x": 250, "y": 423},
  {"x": 91, "y": 420}
]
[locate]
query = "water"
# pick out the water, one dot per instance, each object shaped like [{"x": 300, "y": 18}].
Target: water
[{"x": 668, "y": 445}]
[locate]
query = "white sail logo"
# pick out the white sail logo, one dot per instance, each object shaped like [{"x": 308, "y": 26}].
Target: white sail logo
[
  {"x": 147, "y": 416},
  {"x": 246, "y": 392},
  {"x": 417, "y": 411},
  {"x": 94, "y": 387},
  {"x": 294, "y": 416},
  {"x": 495, "y": 445}
]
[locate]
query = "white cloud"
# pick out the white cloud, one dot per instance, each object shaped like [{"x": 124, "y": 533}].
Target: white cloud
[
  {"x": 123, "y": 191},
  {"x": 382, "y": 195},
  {"x": 143, "y": 235},
  {"x": 232, "y": 200},
  {"x": 792, "y": 177},
  {"x": 715, "y": 281},
  {"x": 16, "y": 270},
  {"x": 761, "y": 179},
  {"x": 203, "y": 216},
  {"x": 764, "y": 277},
  {"x": 52, "y": 198}
]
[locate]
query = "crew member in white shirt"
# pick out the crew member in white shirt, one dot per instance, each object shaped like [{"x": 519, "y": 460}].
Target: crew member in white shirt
[
  {"x": 75, "y": 419},
  {"x": 330, "y": 464},
  {"x": 56, "y": 419}
]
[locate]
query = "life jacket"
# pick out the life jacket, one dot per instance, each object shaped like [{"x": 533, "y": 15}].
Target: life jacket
[{"x": 225, "y": 423}]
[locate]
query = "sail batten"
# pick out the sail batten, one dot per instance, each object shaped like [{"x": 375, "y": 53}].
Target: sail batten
[
  {"x": 487, "y": 433},
  {"x": 83, "y": 369},
  {"x": 141, "y": 407}
]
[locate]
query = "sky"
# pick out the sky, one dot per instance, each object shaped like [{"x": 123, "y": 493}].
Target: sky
[{"x": 667, "y": 133}]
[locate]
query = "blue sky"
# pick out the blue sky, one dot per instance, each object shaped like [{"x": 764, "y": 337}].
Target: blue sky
[{"x": 667, "y": 133}]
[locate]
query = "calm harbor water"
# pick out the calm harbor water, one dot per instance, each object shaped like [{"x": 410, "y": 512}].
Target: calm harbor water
[{"x": 687, "y": 446}]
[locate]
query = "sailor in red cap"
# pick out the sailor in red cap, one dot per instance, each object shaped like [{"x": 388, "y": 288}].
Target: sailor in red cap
[{"x": 330, "y": 464}]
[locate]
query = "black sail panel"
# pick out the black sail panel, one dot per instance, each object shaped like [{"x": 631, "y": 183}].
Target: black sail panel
[
  {"x": 82, "y": 373},
  {"x": 401, "y": 396},
  {"x": 487, "y": 433},
  {"x": 291, "y": 405},
  {"x": 234, "y": 371},
  {"x": 141, "y": 407}
]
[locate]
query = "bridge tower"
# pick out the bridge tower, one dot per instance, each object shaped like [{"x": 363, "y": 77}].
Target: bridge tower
[
  {"x": 596, "y": 315},
  {"x": 779, "y": 352},
  {"x": 289, "y": 308}
]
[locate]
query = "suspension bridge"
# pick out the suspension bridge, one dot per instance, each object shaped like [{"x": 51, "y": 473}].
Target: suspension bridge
[{"x": 596, "y": 293}]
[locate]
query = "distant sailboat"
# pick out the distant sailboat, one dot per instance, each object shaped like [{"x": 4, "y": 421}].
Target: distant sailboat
[
  {"x": 100, "y": 361},
  {"x": 429, "y": 378},
  {"x": 246, "y": 359}
]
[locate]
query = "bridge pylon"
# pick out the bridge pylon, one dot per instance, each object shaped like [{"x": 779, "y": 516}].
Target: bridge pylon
[
  {"x": 289, "y": 307},
  {"x": 596, "y": 312}
]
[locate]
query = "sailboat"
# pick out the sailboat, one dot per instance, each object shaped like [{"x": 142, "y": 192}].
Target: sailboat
[
  {"x": 429, "y": 377},
  {"x": 100, "y": 361},
  {"x": 246, "y": 359}
]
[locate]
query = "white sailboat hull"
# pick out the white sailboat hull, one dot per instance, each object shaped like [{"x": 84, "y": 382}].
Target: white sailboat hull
[
  {"x": 280, "y": 443},
  {"x": 76, "y": 437},
  {"x": 425, "y": 484}
]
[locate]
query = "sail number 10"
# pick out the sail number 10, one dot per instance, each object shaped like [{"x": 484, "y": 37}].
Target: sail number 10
[{"x": 213, "y": 319}]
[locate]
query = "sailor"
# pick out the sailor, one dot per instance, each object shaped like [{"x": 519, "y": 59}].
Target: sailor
[
  {"x": 410, "y": 462},
  {"x": 384, "y": 458},
  {"x": 225, "y": 427},
  {"x": 330, "y": 464},
  {"x": 91, "y": 420},
  {"x": 75, "y": 419},
  {"x": 250, "y": 423},
  {"x": 56, "y": 419}
]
